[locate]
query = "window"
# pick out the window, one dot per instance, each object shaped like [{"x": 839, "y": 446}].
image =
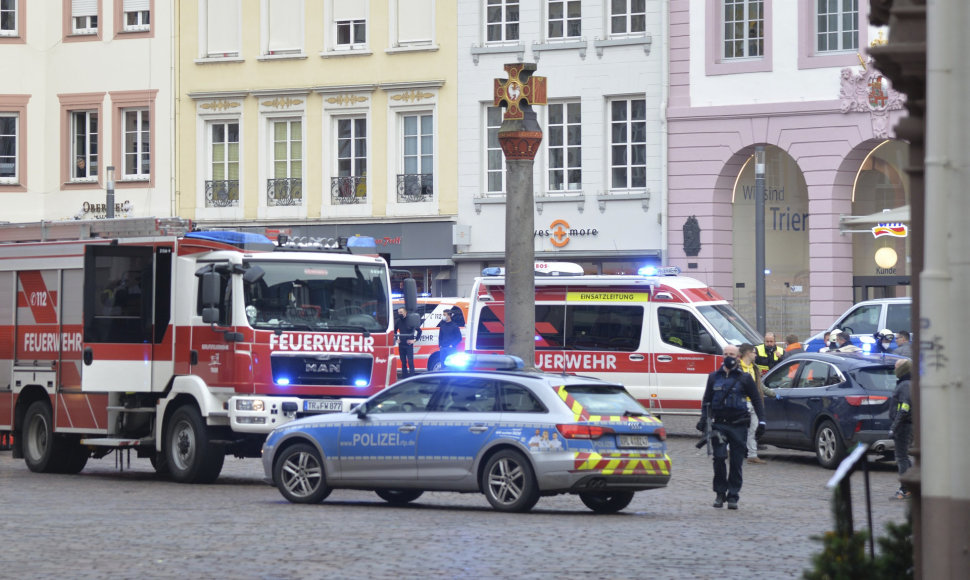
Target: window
[
  {"x": 898, "y": 317},
  {"x": 349, "y": 25},
  {"x": 412, "y": 22},
  {"x": 416, "y": 183},
  {"x": 137, "y": 15},
  {"x": 8, "y": 147},
  {"x": 681, "y": 328},
  {"x": 351, "y": 33},
  {"x": 84, "y": 16},
  {"x": 350, "y": 185},
  {"x": 219, "y": 28},
  {"x": 565, "y": 19},
  {"x": 84, "y": 145},
  {"x": 284, "y": 27},
  {"x": 518, "y": 399},
  {"x": 411, "y": 397},
  {"x": 9, "y": 14},
  {"x": 565, "y": 146},
  {"x": 579, "y": 327},
  {"x": 837, "y": 25},
  {"x": 628, "y": 17},
  {"x": 502, "y": 20},
  {"x": 744, "y": 31},
  {"x": 222, "y": 185},
  {"x": 469, "y": 395},
  {"x": 628, "y": 144},
  {"x": 117, "y": 294},
  {"x": 137, "y": 144},
  {"x": 286, "y": 185},
  {"x": 816, "y": 374},
  {"x": 495, "y": 158},
  {"x": 862, "y": 320}
]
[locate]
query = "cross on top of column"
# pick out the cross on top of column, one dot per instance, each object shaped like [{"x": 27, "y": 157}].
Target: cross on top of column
[{"x": 520, "y": 91}]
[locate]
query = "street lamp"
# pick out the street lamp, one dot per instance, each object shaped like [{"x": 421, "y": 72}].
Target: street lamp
[
  {"x": 109, "y": 201},
  {"x": 759, "y": 236}
]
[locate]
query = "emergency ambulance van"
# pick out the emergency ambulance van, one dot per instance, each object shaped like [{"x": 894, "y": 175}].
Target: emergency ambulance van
[
  {"x": 659, "y": 334},
  {"x": 426, "y": 355}
]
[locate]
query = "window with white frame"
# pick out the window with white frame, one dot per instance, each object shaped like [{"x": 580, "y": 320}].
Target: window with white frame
[
  {"x": 220, "y": 28},
  {"x": 565, "y": 155},
  {"x": 350, "y": 185},
  {"x": 837, "y": 25},
  {"x": 416, "y": 182},
  {"x": 285, "y": 187},
  {"x": 284, "y": 26},
  {"x": 502, "y": 20},
  {"x": 136, "y": 164},
  {"x": 564, "y": 19},
  {"x": 744, "y": 28},
  {"x": 222, "y": 179},
  {"x": 494, "y": 157},
  {"x": 84, "y": 16},
  {"x": 628, "y": 144},
  {"x": 415, "y": 21},
  {"x": 84, "y": 145},
  {"x": 628, "y": 17},
  {"x": 8, "y": 18},
  {"x": 8, "y": 147},
  {"x": 349, "y": 25},
  {"x": 137, "y": 15}
]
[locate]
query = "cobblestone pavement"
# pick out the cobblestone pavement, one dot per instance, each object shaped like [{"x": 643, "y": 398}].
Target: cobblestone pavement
[{"x": 106, "y": 523}]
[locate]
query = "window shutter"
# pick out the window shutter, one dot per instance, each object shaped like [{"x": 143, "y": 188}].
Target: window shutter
[
  {"x": 415, "y": 19},
  {"x": 136, "y": 5},
  {"x": 222, "y": 27},
  {"x": 285, "y": 20},
  {"x": 84, "y": 8},
  {"x": 349, "y": 10}
]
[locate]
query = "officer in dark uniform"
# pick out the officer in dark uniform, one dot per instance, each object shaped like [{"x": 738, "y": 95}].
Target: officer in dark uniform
[
  {"x": 725, "y": 402},
  {"x": 408, "y": 332}
]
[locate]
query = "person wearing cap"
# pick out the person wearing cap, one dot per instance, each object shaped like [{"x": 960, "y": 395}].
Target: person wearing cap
[
  {"x": 884, "y": 341},
  {"x": 901, "y": 412}
]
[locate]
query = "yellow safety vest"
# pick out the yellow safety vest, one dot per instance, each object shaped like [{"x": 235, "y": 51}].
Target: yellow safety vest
[{"x": 760, "y": 350}]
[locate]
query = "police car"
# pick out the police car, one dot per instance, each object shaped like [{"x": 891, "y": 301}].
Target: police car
[{"x": 513, "y": 435}]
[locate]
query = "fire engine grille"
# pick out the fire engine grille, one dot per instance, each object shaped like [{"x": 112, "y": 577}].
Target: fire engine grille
[{"x": 322, "y": 369}]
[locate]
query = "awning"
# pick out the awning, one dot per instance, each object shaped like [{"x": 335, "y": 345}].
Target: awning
[{"x": 865, "y": 223}]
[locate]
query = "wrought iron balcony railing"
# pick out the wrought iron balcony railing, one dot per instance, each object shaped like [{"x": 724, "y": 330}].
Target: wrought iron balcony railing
[
  {"x": 348, "y": 189},
  {"x": 415, "y": 187},
  {"x": 286, "y": 191},
  {"x": 222, "y": 193}
]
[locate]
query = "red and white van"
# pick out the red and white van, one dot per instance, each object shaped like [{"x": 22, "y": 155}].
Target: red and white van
[
  {"x": 426, "y": 355},
  {"x": 659, "y": 335}
]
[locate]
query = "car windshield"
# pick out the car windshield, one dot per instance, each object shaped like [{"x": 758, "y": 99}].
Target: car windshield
[
  {"x": 322, "y": 297},
  {"x": 876, "y": 378},
  {"x": 730, "y": 324},
  {"x": 606, "y": 400}
]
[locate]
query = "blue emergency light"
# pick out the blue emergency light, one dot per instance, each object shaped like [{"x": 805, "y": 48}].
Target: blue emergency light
[{"x": 242, "y": 240}]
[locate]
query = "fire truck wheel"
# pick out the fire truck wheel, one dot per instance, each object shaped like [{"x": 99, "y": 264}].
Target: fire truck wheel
[
  {"x": 38, "y": 434},
  {"x": 71, "y": 456},
  {"x": 299, "y": 474},
  {"x": 191, "y": 458}
]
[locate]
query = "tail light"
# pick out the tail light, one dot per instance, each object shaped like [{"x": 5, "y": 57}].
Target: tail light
[
  {"x": 862, "y": 400},
  {"x": 661, "y": 433},
  {"x": 573, "y": 431}
]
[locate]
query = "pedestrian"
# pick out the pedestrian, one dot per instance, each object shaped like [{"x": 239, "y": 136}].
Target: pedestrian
[
  {"x": 449, "y": 335},
  {"x": 884, "y": 342},
  {"x": 724, "y": 401},
  {"x": 902, "y": 427},
  {"x": 768, "y": 353},
  {"x": 792, "y": 345},
  {"x": 903, "y": 346},
  {"x": 746, "y": 355},
  {"x": 843, "y": 342},
  {"x": 408, "y": 332},
  {"x": 828, "y": 344}
]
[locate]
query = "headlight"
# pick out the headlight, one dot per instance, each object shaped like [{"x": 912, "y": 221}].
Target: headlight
[{"x": 250, "y": 405}]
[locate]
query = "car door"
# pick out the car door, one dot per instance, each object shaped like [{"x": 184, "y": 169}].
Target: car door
[
  {"x": 811, "y": 397},
  {"x": 381, "y": 445},
  {"x": 781, "y": 380},
  {"x": 456, "y": 427}
]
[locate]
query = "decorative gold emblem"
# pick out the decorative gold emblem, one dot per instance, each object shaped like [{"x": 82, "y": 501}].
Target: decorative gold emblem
[
  {"x": 282, "y": 102},
  {"x": 222, "y": 105}
]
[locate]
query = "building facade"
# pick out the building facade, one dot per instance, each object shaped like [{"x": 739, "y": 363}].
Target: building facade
[
  {"x": 794, "y": 80},
  {"x": 600, "y": 175},
  {"x": 86, "y": 100},
  {"x": 317, "y": 117}
]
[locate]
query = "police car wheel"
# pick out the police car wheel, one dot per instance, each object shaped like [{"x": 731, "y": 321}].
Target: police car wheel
[
  {"x": 399, "y": 496},
  {"x": 299, "y": 474},
  {"x": 829, "y": 447},
  {"x": 607, "y": 503},
  {"x": 509, "y": 482}
]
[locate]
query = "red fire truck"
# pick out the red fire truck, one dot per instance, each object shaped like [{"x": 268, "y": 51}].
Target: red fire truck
[{"x": 184, "y": 346}]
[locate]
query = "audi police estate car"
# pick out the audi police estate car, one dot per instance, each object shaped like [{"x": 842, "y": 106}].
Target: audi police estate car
[{"x": 513, "y": 435}]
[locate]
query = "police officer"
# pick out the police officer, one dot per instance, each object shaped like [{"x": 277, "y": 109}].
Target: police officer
[
  {"x": 408, "y": 332},
  {"x": 767, "y": 353},
  {"x": 901, "y": 412},
  {"x": 725, "y": 401},
  {"x": 884, "y": 341}
]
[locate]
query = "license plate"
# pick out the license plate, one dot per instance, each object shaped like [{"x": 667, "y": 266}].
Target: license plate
[
  {"x": 632, "y": 441},
  {"x": 323, "y": 406}
]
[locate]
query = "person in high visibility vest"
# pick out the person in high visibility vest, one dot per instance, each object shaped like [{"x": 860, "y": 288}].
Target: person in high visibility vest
[{"x": 767, "y": 353}]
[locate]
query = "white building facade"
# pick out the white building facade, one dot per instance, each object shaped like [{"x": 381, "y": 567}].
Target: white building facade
[{"x": 600, "y": 174}]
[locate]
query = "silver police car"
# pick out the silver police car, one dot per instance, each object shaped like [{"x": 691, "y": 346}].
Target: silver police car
[{"x": 510, "y": 434}]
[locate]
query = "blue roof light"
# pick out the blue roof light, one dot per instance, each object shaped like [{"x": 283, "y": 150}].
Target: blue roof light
[{"x": 242, "y": 240}]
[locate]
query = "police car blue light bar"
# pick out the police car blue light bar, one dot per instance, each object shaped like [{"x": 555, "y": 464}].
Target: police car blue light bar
[
  {"x": 501, "y": 362},
  {"x": 659, "y": 271}
]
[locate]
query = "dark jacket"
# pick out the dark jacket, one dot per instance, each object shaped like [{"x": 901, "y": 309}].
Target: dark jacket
[
  {"x": 404, "y": 330},
  {"x": 718, "y": 377},
  {"x": 901, "y": 408},
  {"x": 765, "y": 358},
  {"x": 449, "y": 333}
]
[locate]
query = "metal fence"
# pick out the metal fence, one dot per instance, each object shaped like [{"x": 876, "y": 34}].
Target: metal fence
[{"x": 784, "y": 315}]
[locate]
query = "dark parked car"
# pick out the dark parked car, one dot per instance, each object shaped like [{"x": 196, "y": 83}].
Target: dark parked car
[{"x": 829, "y": 402}]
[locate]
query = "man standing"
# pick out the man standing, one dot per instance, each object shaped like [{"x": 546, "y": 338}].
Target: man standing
[
  {"x": 449, "y": 335},
  {"x": 902, "y": 427},
  {"x": 725, "y": 400},
  {"x": 746, "y": 357},
  {"x": 767, "y": 353},
  {"x": 407, "y": 334},
  {"x": 903, "y": 346}
]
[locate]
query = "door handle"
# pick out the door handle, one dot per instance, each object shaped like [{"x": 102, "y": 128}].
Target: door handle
[
  {"x": 87, "y": 356},
  {"x": 478, "y": 428},
  {"x": 407, "y": 427}
]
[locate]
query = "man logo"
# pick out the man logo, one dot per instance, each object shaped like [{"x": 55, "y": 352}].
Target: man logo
[{"x": 322, "y": 367}]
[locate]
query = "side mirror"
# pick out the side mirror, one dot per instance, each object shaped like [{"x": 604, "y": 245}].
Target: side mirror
[
  {"x": 361, "y": 411},
  {"x": 253, "y": 274},
  {"x": 211, "y": 282},
  {"x": 210, "y": 315},
  {"x": 410, "y": 294}
]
